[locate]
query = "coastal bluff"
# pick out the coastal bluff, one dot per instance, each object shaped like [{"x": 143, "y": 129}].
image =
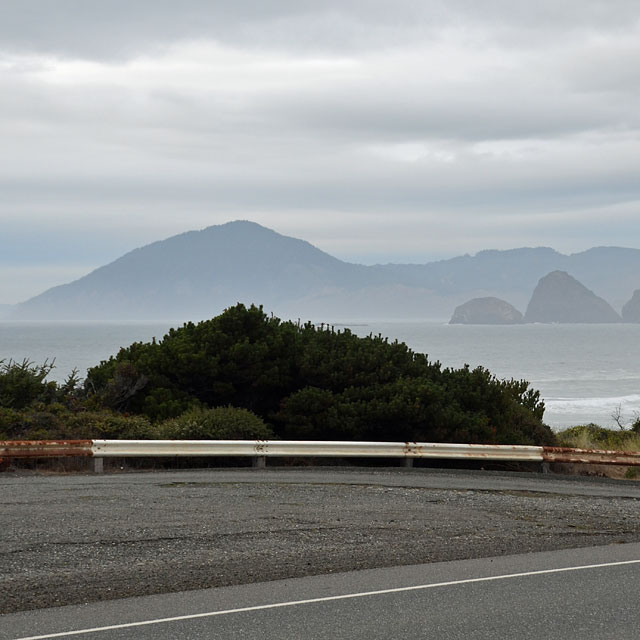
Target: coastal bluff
[
  {"x": 488, "y": 310},
  {"x": 561, "y": 298}
]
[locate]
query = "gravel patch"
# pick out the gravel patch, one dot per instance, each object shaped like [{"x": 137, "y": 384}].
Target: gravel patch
[{"x": 80, "y": 538}]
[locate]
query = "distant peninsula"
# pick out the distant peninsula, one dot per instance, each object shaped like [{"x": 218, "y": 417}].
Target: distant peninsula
[{"x": 198, "y": 274}]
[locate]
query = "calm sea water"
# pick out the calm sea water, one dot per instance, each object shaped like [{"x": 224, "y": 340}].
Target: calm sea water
[{"x": 584, "y": 372}]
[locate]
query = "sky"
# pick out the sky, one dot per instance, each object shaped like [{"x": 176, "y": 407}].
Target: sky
[{"x": 380, "y": 132}]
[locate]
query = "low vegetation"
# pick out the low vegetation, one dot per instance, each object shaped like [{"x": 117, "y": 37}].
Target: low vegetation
[
  {"x": 33, "y": 409},
  {"x": 219, "y": 423},
  {"x": 244, "y": 374},
  {"x": 592, "y": 436}
]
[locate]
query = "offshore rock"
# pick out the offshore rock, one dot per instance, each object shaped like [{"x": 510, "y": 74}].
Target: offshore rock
[
  {"x": 559, "y": 297},
  {"x": 486, "y": 311},
  {"x": 631, "y": 310}
]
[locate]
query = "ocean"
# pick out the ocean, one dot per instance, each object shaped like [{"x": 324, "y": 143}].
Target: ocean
[{"x": 585, "y": 373}]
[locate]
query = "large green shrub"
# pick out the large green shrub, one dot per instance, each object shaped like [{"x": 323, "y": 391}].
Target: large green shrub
[
  {"x": 245, "y": 358},
  {"x": 311, "y": 382}
]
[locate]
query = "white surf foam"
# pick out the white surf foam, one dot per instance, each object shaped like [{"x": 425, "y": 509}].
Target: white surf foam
[{"x": 627, "y": 404}]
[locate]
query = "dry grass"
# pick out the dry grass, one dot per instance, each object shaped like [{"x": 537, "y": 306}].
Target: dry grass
[{"x": 592, "y": 436}]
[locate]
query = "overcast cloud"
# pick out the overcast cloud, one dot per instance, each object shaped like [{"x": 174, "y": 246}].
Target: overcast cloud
[{"x": 380, "y": 132}]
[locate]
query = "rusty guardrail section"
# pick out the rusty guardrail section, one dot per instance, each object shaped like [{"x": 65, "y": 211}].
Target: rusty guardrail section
[
  {"x": 301, "y": 448},
  {"x": 45, "y": 448},
  {"x": 591, "y": 456}
]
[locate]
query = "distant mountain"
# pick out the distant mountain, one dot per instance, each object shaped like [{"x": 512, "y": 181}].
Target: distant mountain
[
  {"x": 197, "y": 274},
  {"x": 612, "y": 272},
  {"x": 561, "y": 298}
]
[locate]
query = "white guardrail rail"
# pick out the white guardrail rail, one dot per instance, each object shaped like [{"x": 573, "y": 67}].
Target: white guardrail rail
[
  {"x": 301, "y": 448},
  {"x": 306, "y": 448}
]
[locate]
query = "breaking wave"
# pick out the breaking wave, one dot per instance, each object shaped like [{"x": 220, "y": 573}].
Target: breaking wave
[{"x": 579, "y": 405}]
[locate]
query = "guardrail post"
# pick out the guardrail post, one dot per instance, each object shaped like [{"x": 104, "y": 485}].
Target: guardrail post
[
  {"x": 97, "y": 465},
  {"x": 545, "y": 467},
  {"x": 259, "y": 462},
  {"x": 407, "y": 462}
]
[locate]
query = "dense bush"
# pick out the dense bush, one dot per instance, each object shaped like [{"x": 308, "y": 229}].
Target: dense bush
[
  {"x": 40, "y": 421},
  {"x": 311, "y": 382},
  {"x": 219, "y": 423},
  {"x": 33, "y": 409},
  {"x": 24, "y": 383},
  {"x": 305, "y": 382}
]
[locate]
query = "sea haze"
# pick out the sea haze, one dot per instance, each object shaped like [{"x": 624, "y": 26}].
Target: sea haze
[{"x": 584, "y": 372}]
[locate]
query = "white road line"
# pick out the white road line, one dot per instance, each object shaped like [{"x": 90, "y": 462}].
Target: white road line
[{"x": 346, "y": 596}]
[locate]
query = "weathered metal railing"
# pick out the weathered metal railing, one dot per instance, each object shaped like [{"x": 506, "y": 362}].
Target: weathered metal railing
[
  {"x": 45, "y": 448},
  {"x": 301, "y": 448}
]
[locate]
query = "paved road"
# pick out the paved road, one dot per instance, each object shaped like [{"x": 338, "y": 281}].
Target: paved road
[
  {"x": 581, "y": 593},
  {"x": 72, "y": 539}
]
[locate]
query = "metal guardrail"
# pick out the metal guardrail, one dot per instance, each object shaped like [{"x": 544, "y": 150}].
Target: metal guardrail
[
  {"x": 298, "y": 448},
  {"x": 304, "y": 448}
]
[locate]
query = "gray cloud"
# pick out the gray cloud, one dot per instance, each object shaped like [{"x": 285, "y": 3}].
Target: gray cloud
[
  {"x": 380, "y": 133},
  {"x": 91, "y": 28}
]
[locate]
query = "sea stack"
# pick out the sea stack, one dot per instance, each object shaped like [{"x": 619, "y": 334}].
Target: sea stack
[
  {"x": 559, "y": 297},
  {"x": 631, "y": 310},
  {"x": 486, "y": 311}
]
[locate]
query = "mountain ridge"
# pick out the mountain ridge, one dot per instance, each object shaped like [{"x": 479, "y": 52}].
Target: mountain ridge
[{"x": 196, "y": 274}]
